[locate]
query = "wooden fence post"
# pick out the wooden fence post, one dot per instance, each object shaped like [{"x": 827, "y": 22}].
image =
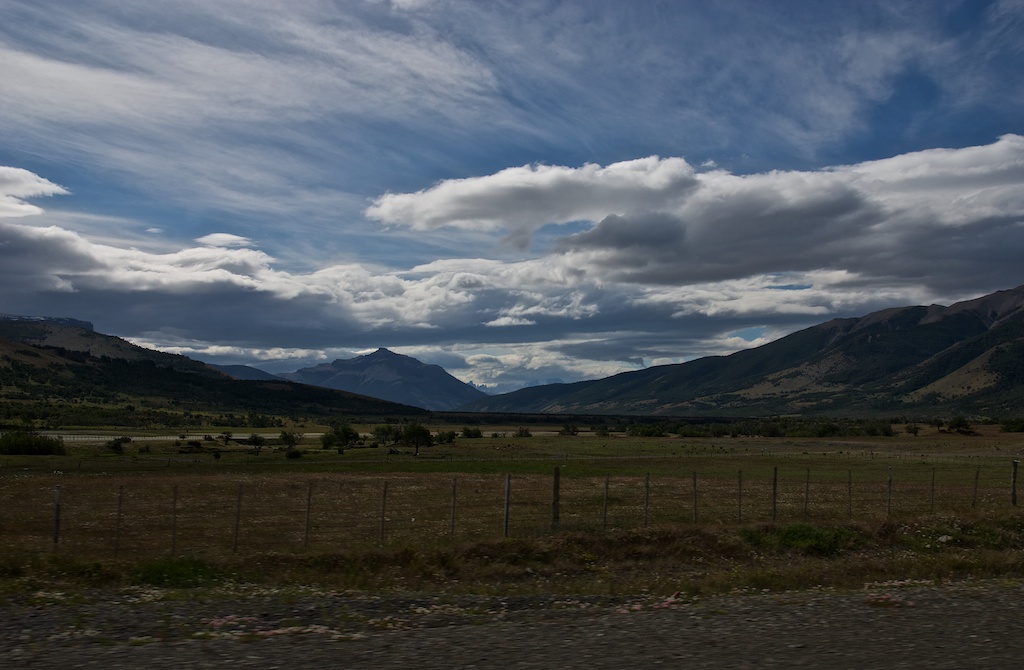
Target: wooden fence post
[
  {"x": 117, "y": 526},
  {"x": 604, "y": 509},
  {"x": 555, "y": 500},
  {"x": 739, "y": 497},
  {"x": 933, "y": 491},
  {"x": 977, "y": 476},
  {"x": 807, "y": 493},
  {"x": 174, "y": 520},
  {"x": 383, "y": 509},
  {"x": 309, "y": 513},
  {"x": 1013, "y": 484},
  {"x": 775, "y": 492},
  {"x": 695, "y": 496},
  {"x": 56, "y": 516},
  {"x": 508, "y": 503},
  {"x": 238, "y": 521},
  {"x": 647, "y": 496},
  {"x": 849, "y": 492},
  {"x": 451, "y": 527},
  {"x": 888, "y": 495}
]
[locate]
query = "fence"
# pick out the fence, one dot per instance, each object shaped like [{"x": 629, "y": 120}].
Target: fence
[{"x": 157, "y": 515}]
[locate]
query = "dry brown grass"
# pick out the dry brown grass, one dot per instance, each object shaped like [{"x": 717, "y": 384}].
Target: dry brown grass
[{"x": 627, "y": 518}]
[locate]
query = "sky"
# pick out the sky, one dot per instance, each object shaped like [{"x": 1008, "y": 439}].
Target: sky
[{"x": 521, "y": 191}]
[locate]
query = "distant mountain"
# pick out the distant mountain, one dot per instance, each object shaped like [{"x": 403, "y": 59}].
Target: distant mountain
[
  {"x": 54, "y": 375},
  {"x": 58, "y": 320},
  {"x": 965, "y": 358},
  {"x": 63, "y": 334},
  {"x": 244, "y": 372},
  {"x": 390, "y": 376}
]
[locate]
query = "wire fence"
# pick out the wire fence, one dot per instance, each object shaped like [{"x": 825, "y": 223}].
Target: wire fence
[{"x": 247, "y": 514}]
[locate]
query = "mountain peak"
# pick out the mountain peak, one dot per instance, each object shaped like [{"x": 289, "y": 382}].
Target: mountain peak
[
  {"x": 383, "y": 353},
  {"x": 390, "y": 376}
]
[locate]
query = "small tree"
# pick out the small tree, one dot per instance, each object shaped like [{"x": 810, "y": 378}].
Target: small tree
[
  {"x": 416, "y": 436},
  {"x": 340, "y": 436},
  {"x": 386, "y": 434},
  {"x": 257, "y": 441},
  {"x": 960, "y": 424}
]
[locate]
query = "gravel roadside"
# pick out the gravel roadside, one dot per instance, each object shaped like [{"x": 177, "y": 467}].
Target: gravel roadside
[{"x": 894, "y": 625}]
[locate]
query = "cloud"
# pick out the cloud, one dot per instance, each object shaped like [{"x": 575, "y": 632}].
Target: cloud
[
  {"x": 508, "y": 185},
  {"x": 886, "y": 219},
  {"x": 17, "y": 185},
  {"x": 671, "y": 268},
  {"x": 521, "y": 200},
  {"x": 224, "y": 240}
]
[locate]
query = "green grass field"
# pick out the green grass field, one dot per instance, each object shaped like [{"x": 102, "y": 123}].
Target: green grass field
[{"x": 632, "y": 513}]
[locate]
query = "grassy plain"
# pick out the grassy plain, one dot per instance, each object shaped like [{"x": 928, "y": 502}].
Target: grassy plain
[{"x": 634, "y": 514}]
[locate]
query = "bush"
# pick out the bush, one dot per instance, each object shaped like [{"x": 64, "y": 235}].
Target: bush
[
  {"x": 805, "y": 538},
  {"x": 116, "y": 445},
  {"x": 20, "y": 443}
]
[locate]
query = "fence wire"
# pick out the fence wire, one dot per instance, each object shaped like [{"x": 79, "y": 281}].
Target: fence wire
[{"x": 246, "y": 514}]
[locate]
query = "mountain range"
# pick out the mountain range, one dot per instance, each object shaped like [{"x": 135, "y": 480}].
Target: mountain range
[{"x": 965, "y": 358}]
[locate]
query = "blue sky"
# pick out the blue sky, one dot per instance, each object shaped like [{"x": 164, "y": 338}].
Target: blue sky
[{"x": 518, "y": 191}]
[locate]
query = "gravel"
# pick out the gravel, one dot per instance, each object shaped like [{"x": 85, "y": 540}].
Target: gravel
[{"x": 892, "y": 625}]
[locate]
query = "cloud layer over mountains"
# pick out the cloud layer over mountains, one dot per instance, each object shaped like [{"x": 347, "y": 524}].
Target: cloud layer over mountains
[{"x": 517, "y": 191}]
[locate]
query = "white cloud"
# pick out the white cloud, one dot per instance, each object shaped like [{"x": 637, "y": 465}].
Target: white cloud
[
  {"x": 224, "y": 240},
  {"x": 17, "y": 185},
  {"x": 521, "y": 200}
]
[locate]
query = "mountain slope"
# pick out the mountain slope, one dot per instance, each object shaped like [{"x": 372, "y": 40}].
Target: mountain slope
[
  {"x": 390, "y": 376},
  {"x": 968, "y": 357},
  {"x": 50, "y": 386},
  {"x": 60, "y": 334},
  {"x": 245, "y": 372}
]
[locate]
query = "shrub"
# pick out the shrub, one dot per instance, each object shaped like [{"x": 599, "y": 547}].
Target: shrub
[
  {"x": 805, "y": 538},
  {"x": 20, "y": 443},
  {"x": 116, "y": 445}
]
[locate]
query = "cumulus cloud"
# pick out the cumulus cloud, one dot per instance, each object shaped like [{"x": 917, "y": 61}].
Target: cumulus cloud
[
  {"x": 887, "y": 219},
  {"x": 522, "y": 199},
  {"x": 656, "y": 221}
]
